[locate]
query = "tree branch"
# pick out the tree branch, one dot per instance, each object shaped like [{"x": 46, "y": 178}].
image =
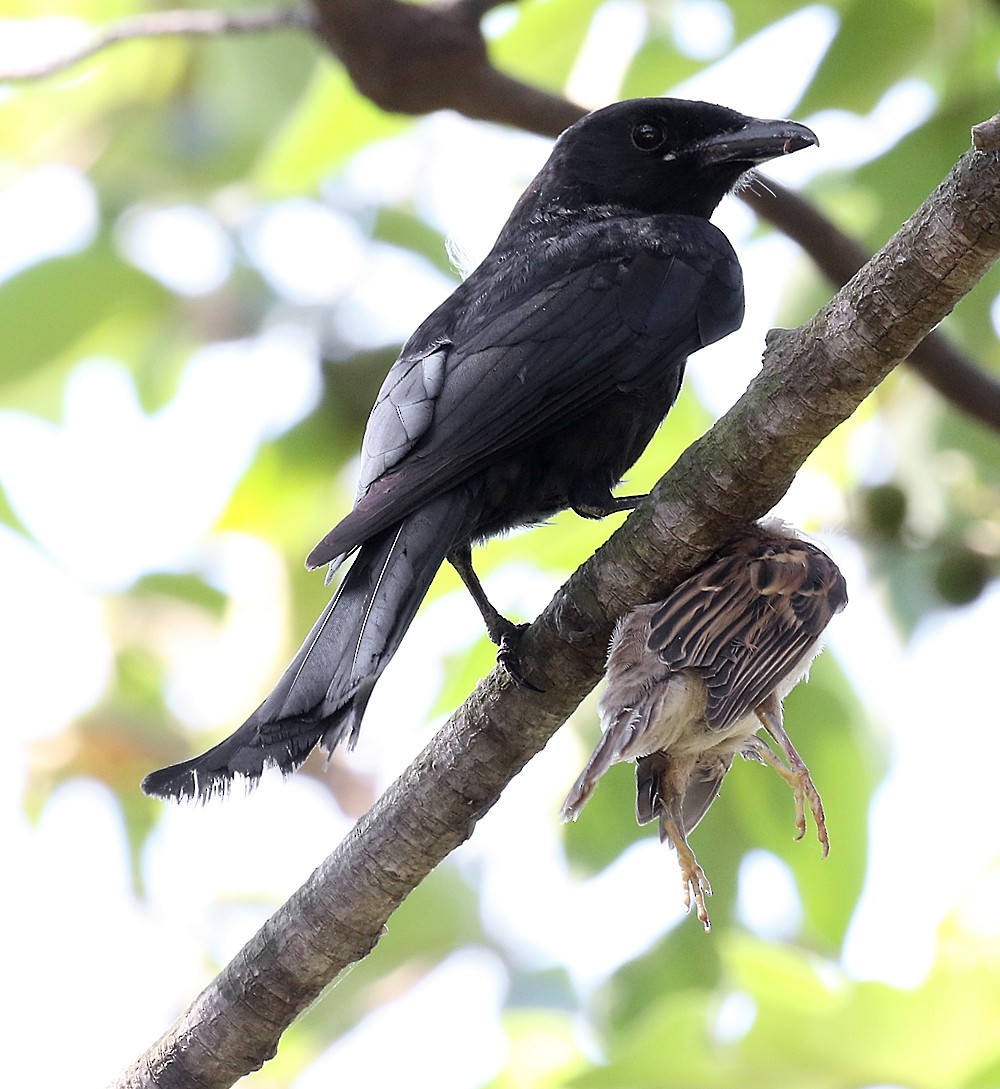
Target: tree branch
[
  {"x": 416, "y": 58},
  {"x": 838, "y": 257},
  {"x": 812, "y": 379},
  {"x": 181, "y": 23}
]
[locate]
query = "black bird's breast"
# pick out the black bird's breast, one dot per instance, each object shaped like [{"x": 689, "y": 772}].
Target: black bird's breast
[{"x": 611, "y": 345}]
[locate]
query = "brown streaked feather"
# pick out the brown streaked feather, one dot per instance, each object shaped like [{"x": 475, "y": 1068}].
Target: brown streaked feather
[{"x": 744, "y": 622}]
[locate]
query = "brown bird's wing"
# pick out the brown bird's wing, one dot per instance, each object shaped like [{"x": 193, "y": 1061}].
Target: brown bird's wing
[{"x": 745, "y": 621}]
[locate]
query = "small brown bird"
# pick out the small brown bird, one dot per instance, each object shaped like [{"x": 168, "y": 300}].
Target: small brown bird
[{"x": 693, "y": 677}]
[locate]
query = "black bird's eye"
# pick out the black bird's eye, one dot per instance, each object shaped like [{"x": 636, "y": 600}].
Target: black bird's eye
[{"x": 648, "y": 135}]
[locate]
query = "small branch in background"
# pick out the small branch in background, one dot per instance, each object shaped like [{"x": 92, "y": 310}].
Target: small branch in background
[
  {"x": 180, "y": 23},
  {"x": 415, "y": 58},
  {"x": 838, "y": 257},
  {"x": 476, "y": 9}
]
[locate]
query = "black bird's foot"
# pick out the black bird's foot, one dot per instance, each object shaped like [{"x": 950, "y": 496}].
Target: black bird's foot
[
  {"x": 612, "y": 504},
  {"x": 509, "y": 659},
  {"x": 505, "y": 633}
]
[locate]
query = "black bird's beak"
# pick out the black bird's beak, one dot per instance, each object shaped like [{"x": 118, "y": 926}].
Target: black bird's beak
[{"x": 757, "y": 142}]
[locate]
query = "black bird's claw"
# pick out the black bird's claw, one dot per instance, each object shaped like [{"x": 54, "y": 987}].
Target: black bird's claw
[
  {"x": 509, "y": 660},
  {"x": 613, "y": 504}
]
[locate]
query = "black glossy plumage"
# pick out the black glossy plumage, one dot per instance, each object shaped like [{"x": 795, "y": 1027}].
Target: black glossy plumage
[{"x": 531, "y": 389}]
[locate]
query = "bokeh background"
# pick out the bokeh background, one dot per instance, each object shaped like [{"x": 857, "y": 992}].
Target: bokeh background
[{"x": 210, "y": 252}]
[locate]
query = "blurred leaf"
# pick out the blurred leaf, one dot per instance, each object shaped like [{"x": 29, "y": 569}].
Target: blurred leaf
[
  {"x": 8, "y": 516},
  {"x": 656, "y": 65},
  {"x": 955, "y": 431},
  {"x": 205, "y": 135},
  {"x": 67, "y": 116},
  {"x": 402, "y": 228},
  {"x": 667, "y": 1045},
  {"x": 686, "y": 960},
  {"x": 751, "y": 18},
  {"x": 46, "y": 309},
  {"x": 909, "y": 171},
  {"x": 330, "y": 124},
  {"x": 876, "y": 44},
  {"x": 188, "y": 588},
  {"x": 543, "y": 44},
  {"x": 810, "y": 1027},
  {"x": 543, "y": 1049}
]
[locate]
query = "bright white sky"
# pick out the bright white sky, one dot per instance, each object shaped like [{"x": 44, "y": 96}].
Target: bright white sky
[{"x": 103, "y": 519}]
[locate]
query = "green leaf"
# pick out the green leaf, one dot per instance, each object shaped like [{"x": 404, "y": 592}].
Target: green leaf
[
  {"x": 657, "y": 65},
  {"x": 876, "y": 45},
  {"x": 543, "y": 44},
  {"x": 49, "y": 307},
  {"x": 810, "y": 1027},
  {"x": 330, "y": 124},
  {"x": 407, "y": 231},
  {"x": 188, "y": 588}
]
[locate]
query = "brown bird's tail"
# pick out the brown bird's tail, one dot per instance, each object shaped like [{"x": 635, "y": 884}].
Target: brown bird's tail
[
  {"x": 322, "y": 695},
  {"x": 619, "y": 729}
]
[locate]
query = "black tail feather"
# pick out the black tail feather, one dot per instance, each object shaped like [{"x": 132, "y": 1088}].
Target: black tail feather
[{"x": 322, "y": 695}]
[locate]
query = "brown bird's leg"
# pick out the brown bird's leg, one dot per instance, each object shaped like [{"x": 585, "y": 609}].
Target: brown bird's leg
[
  {"x": 661, "y": 781},
  {"x": 696, "y": 885},
  {"x": 505, "y": 633},
  {"x": 796, "y": 774}
]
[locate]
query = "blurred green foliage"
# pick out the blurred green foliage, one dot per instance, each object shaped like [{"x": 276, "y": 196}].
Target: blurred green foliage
[{"x": 233, "y": 126}]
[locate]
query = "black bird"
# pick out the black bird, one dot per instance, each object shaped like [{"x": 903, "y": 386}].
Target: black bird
[
  {"x": 531, "y": 389},
  {"x": 692, "y": 678}
]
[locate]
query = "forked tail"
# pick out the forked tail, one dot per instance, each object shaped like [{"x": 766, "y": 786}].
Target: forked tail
[{"x": 322, "y": 695}]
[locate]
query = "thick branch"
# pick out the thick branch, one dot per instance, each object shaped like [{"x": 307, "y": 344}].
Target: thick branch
[
  {"x": 415, "y": 58},
  {"x": 813, "y": 378},
  {"x": 159, "y": 24},
  {"x": 838, "y": 257}
]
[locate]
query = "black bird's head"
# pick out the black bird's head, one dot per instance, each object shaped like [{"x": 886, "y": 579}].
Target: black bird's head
[{"x": 660, "y": 155}]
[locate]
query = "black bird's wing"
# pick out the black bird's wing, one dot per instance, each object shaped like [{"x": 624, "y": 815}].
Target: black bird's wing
[
  {"x": 744, "y": 622},
  {"x": 487, "y": 376}
]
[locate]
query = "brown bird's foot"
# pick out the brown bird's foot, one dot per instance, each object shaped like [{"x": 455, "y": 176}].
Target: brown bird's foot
[
  {"x": 613, "y": 504},
  {"x": 795, "y": 774},
  {"x": 696, "y": 884}
]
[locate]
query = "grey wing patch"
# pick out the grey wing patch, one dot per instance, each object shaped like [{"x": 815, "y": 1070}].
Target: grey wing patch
[{"x": 403, "y": 412}]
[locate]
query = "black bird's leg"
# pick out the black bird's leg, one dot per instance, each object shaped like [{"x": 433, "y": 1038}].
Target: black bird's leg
[
  {"x": 500, "y": 629},
  {"x": 505, "y": 633},
  {"x": 602, "y": 506}
]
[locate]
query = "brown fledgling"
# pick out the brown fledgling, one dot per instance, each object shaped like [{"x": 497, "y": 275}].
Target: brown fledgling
[{"x": 692, "y": 678}]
